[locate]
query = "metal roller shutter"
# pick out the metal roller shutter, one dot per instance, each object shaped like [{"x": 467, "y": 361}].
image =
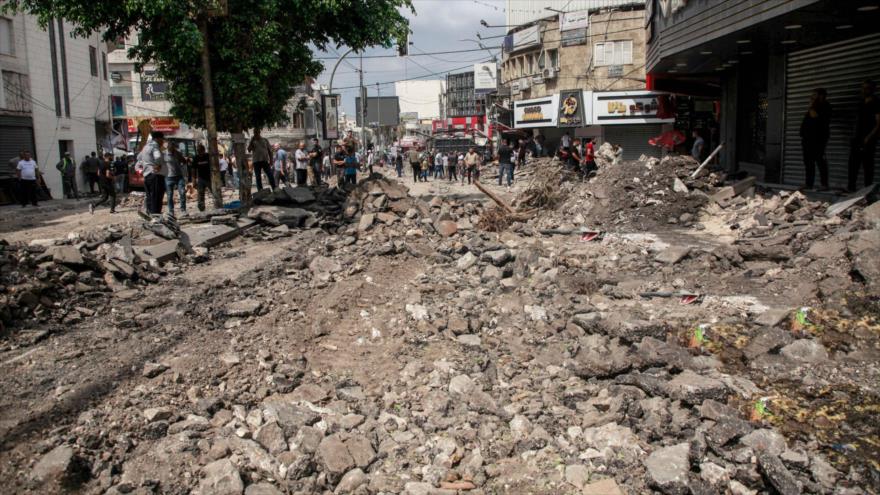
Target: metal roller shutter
[
  {"x": 633, "y": 139},
  {"x": 840, "y": 68},
  {"x": 16, "y": 134}
]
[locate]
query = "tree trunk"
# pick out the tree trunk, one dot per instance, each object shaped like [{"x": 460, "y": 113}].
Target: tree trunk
[{"x": 244, "y": 174}]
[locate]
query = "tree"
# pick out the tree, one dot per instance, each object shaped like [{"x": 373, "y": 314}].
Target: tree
[{"x": 259, "y": 50}]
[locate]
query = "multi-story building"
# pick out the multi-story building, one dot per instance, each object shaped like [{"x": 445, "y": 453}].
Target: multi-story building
[
  {"x": 464, "y": 110},
  {"x": 420, "y": 97},
  {"x": 757, "y": 63},
  {"x": 581, "y": 72},
  {"x": 54, "y": 95}
]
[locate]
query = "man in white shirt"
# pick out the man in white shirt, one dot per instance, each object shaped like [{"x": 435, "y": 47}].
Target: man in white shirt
[
  {"x": 224, "y": 169},
  {"x": 566, "y": 141},
  {"x": 27, "y": 172},
  {"x": 302, "y": 164}
]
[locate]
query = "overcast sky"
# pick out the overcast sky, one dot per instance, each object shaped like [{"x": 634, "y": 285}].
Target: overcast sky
[{"x": 437, "y": 25}]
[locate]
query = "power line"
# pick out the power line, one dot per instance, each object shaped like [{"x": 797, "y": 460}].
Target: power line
[
  {"x": 417, "y": 54},
  {"x": 414, "y": 78}
]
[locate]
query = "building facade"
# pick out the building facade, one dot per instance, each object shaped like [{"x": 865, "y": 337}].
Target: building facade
[
  {"x": 54, "y": 94},
  {"x": 759, "y": 62},
  {"x": 520, "y": 12},
  {"x": 423, "y": 98}
]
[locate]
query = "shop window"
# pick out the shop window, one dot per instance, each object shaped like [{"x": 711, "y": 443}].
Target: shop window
[
  {"x": 613, "y": 53},
  {"x": 7, "y": 40}
]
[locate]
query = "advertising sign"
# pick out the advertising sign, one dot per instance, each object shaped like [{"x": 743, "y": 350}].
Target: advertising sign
[
  {"x": 485, "y": 78},
  {"x": 152, "y": 87},
  {"x": 537, "y": 112},
  {"x": 330, "y": 119},
  {"x": 571, "y": 109},
  {"x": 570, "y": 21},
  {"x": 627, "y": 107},
  {"x": 525, "y": 38},
  {"x": 164, "y": 124},
  {"x": 409, "y": 116},
  {"x": 574, "y": 37}
]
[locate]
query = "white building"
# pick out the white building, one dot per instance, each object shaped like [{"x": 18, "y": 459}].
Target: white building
[
  {"x": 524, "y": 11},
  {"x": 421, "y": 97},
  {"x": 54, "y": 94}
]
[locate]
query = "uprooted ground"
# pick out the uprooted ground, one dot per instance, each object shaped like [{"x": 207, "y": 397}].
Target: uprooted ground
[{"x": 378, "y": 343}]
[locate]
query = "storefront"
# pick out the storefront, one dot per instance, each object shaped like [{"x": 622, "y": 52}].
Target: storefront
[{"x": 630, "y": 119}]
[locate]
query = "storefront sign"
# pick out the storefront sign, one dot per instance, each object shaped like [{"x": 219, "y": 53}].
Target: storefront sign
[
  {"x": 525, "y": 38},
  {"x": 485, "y": 78},
  {"x": 330, "y": 119},
  {"x": 627, "y": 107},
  {"x": 574, "y": 37},
  {"x": 152, "y": 87},
  {"x": 615, "y": 71},
  {"x": 163, "y": 124},
  {"x": 570, "y": 21},
  {"x": 537, "y": 112},
  {"x": 571, "y": 109}
]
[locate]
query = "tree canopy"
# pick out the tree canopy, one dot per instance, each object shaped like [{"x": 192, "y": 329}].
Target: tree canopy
[{"x": 260, "y": 50}]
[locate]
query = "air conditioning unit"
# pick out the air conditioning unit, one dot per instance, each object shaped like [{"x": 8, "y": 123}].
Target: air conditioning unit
[{"x": 550, "y": 72}]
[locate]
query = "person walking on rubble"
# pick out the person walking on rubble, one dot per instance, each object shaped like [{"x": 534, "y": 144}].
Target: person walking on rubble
[
  {"x": 505, "y": 163},
  {"x": 815, "y": 130},
  {"x": 106, "y": 186},
  {"x": 472, "y": 162},
  {"x": 175, "y": 180},
  {"x": 151, "y": 161},
  {"x": 280, "y": 165},
  {"x": 415, "y": 161},
  {"x": 261, "y": 154},
  {"x": 351, "y": 166}
]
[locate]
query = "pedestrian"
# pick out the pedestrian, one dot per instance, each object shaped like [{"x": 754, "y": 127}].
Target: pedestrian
[
  {"x": 224, "y": 170},
  {"x": 574, "y": 156},
  {"x": 175, "y": 178},
  {"x": 91, "y": 171},
  {"x": 27, "y": 173},
  {"x": 68, "y": 176},
  {"x": 590, "y": 167},
  {"x": 151, "y": 161},
  {"x": 814, "y": 132},
  {"x": 301, "y": 159},
  {"x": 316, "y": 159},
  {"x": 398, "y": 165},
  {"x": 351, "y": 166},
  {"x": 236, "y": 179},
  {"x": 699, "y": 144},
  {"x": 326, "y": 165},
  {"x": 472, "y": 163},
  {"x": 120, "y": 172},
  {"x": 261, "y": 153},
  {"x": 339, "y": 162},
  {"x": 505, "y": 163},
  {"x": 415, "y": 162},
  {"x": 280, "y": 164},
  {"x": 864, "y": 141},
  {"x": 106, "y": 185},
  {"x": 566, "y": 140},
  {"x": 202, "y": 175},
  {"x": 460, "y": 166}
]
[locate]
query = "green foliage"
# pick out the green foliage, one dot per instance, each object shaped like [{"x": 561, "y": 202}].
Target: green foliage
[{"x": 259, "y": 52}]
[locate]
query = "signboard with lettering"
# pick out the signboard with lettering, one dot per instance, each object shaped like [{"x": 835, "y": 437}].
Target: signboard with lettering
[
  {"x": 164, "y": 124},
  {"x": 537, "y": 112},
  {"x": 573, "y": 37},
  {"x": 615, "y": 71},
  {"x": 330, "y": 120},
  {"x": 571, "y": 109},
  {"x": 527, "y": 37},
  {"x": 485, "y": 78},
  {"x": 153, "y": 88},
  {"x": 570, "y": 21},
  {"x": 627, "y": 107}
]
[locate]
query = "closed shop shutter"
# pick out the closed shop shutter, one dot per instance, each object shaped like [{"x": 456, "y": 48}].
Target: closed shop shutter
[
  {"x": 16, "y": 134},
  {"x": 633, "y": 139},
  {"x": 840, "y": 68}
]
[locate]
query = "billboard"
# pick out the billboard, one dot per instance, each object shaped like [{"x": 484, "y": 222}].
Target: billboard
[
  {"x": 485, "y": 78},
  {"x": 381, "y": 111},
  {"x": 571, "y": 109},
  {"x": 527, "y": 37},
  {"x": 537, "y": 112},
  {"x": 330, "y": 119},
  {"x": 569, "y": 21},
  {"x": 627, "y": 107},
  {"x": 153, "y": 88}
]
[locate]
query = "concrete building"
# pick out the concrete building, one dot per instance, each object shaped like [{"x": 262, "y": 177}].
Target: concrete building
[
  {"x": 421, "y": 97},
  {"x": 54, "y": 94},
  {"x": 757, "y": 70},
  {"x": 520, "y": 12}
]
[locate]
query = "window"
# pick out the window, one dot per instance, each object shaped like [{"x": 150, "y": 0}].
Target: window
[
  {"x": 7, "y": 40},
  {"x": 553, "y": 55},
  {"x": 54, "y": 57},
  {"x": 104, "y": 64},
  {"x": 93, "y": 60},
  {"x": 613, "y": 53},
  {"x": 64, "y": 67},
  {"x": 531, "y": 59}
]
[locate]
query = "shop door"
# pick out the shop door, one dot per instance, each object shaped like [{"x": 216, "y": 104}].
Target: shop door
[
  {"x": 16, "y": 134},
  {"x": 840, "y": 68}
]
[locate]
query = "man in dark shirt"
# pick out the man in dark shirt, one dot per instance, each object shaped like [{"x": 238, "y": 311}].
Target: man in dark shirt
[
  {"x": 202, "y": 178},
  {"x": 120, "y": 170},
  {"x": 316, "y": 156},
  {"x": 90, "y": 169},
  {"x": 865, "y": 140},
  {"x": 106, "y": 184},
  {"x": 339, "y": 162},
  {"x": 814, "y": 132},
  {"x": 505, "y": 162}
]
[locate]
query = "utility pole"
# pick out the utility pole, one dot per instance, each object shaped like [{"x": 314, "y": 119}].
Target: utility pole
[
  {"x": 210, "y": 115},
  {"x": 362, "y": 107}
]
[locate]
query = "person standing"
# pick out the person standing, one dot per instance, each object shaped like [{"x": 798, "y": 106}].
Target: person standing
[
  {"x": 224, "y": 170},
  {"x": 301, "y": 159},
  {"x": 106, "y": 185},
  {"x": 68, "y": 176},
  {"x": 590, "y": 158},
  {"x": 505, "y": 163},
  {"x": 202, "y": 176},
  {"x": 27, "y": 173},
  {"x": 175, "y": 178},
  {"x": 280, "y": 163},
  {"x": 398, "y": 164},
  {"x": 814, "y": 132},
  {"x": 350, "y": 167},
  {"x": 566, "y": 140},
  {"x": 472, "y": 161},
  {"x": 339, "y": 163},
  {"x": 152, "y": 161},
  {"x": 864, "y": 142},
  {"x": 261, "y": 152},
  {"x": 326, "y": 165},
  {"x": 316, "y": 159},
  {"x": 236, "y": 180},
  {"x": 697, "y": 148},
  {"x": 120, "y": 171},
  {"x": 412, "y": 156},
  {"x": 91, "y": 171}
]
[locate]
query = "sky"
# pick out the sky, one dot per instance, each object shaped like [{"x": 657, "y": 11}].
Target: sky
[{"x": 437, "y": 26}]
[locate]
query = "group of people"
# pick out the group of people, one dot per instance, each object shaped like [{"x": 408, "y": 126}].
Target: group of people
[
  {"x": 578, "y": 155},
  {"x": 449, "y": 165}
]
